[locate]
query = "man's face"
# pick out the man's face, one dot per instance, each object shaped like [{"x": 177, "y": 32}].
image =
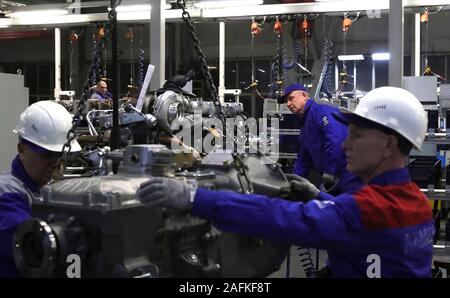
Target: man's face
[
  {"x": 102, "y": 88},
  {"x": 296, "y": 101},
  {"x": 364, "y": 149},
  {"x": 39, "y": 166}
]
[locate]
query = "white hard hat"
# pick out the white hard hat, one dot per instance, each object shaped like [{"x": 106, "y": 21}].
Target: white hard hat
[
  {"x": 45, "y": 124},
  {"x": 393, "y": 108}
]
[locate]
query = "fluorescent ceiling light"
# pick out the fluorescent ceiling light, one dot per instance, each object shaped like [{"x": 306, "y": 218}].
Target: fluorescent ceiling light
[
  {"x": 133, "y": 15},
  {"x": 381, "y": 56},
  {"x": 38, "y": 13},
  {"x": 350, "y": 57},
  {"x": 54, "y": 20},
  {"x": 227, "y": 3},
  {"x": 134, "y": 12},
  {"x": 130, "y": 8}
]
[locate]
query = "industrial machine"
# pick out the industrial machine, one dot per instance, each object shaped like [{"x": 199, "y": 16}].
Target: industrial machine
[{"x": 101, "y": 220}]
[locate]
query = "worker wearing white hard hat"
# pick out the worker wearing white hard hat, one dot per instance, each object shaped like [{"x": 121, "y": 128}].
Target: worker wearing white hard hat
[
  {"x": 42, "y": 130},
  {"x": 384, "y": 229}
]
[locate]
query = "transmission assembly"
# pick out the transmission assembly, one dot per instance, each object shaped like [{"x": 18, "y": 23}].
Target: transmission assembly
[{"x": 101, "y": 220}]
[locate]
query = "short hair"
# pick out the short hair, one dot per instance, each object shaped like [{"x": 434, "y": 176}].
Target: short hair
[{"x": 403, "y": 144}]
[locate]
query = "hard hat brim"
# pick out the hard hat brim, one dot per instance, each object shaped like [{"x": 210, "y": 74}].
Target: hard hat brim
[
  {"x": 75, "y": 146},
  {"x": 347, "y": 117}
]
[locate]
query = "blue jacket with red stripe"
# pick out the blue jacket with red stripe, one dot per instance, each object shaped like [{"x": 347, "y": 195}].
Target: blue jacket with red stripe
[
  {"x": 17, "y": 192},
  {"x": 389, "y": 217},
  {"x": 321, "y": 137}
]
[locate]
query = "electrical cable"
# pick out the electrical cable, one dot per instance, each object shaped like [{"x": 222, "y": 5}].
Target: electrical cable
[
  {"x": 130, "y": 37},
  {"x": 296, "y": 47},
  {"x": 307, "y": 262},
  {"x": 328, "y": 69},
  {"x": 275, "y": 67}
]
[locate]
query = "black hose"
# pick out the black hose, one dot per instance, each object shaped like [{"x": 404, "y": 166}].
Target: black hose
[
  {"x": 306, "y": 262},
  {"x": 115, "y": 133}
]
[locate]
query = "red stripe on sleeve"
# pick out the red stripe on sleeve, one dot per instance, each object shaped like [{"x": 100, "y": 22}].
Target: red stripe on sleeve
[{"x": 393, "y": 206}]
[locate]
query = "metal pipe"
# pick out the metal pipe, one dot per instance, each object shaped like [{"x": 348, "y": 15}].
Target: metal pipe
[
  {"x": 115, "y": 133},
  {"x": 354, "y": 81},
  {"x": 396, "y": 21},
  {"x": 57, "y": 63},
  {"x": 221, "y": 61},
  {"x": 416, "y": 49},
  {"x": 158, "y": 43},
  {"x": 336, "y": 75},
  {"x": 437, "y": 134},
  {"x": 373, "y": 75}
]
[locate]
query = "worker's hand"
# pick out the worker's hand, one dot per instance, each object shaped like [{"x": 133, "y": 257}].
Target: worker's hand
[
  {"x": 329, "y": 181},
  {"x": 301, "y": 188},
  {"x": 293, "y": 177},
  {"x": 166, "y": 192}
]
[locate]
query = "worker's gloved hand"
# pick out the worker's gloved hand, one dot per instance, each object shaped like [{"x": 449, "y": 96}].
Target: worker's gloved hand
[
  {"x": 291, "y": 177},
  {"x": 166, "y": 192},
  {"x": 329, "y": 181},
  {"x": 301, "y": 188}
]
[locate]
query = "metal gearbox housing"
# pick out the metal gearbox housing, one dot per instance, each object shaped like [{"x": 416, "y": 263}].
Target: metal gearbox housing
[{"x": 101, "y": 220}]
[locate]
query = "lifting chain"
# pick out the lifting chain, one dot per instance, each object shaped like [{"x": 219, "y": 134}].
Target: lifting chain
[
  {"x": 81, "y": 105},
  {"x": 203, "y": 65},
  {"x": 242, "y": 170},
  {"x": 140, "y": 75}
]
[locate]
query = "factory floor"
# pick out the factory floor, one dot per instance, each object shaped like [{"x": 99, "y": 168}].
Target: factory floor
[
  {"x": 295, "y": 267},
  {"x": 441, "y": 254}
]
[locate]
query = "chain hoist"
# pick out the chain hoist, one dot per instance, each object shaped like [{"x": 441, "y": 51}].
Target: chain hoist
[
  {"x": 255, "y": 30},
  {"x": 203, "y": 65},
  {"x": 296, "y": 47},
  {"x": 424, "y": 17},
  {"x": 129, "y": 35},
  {"x": 305, "y": 34},
  {"x": 73, "y": 39},
  {"x": 102, "y": 73},
  {"x": 242, "y": 175},
  {"x": 140, "y": 74},
  {"x": 277, "y": 80},
  {"x": 346, "y": 24},
  {"x": 71, "y": 134}
]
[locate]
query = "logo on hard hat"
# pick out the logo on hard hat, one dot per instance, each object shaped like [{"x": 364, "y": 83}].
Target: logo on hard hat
[
  {"x": 380, "y": 107},
  {"x": 35, "y": 128}
]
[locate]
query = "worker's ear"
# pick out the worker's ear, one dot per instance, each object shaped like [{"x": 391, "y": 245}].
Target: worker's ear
[
  {"x": 391, "y": 145},
  {"x": 20, "y": 148}
]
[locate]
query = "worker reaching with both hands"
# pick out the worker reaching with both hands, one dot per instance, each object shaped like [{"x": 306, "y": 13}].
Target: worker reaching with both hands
[{"x": 384, "y": 229}]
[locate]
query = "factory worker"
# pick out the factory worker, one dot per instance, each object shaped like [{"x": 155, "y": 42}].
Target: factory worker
[
  {"x": 42, "y": 131},
  {"x": 385, "y": 229}
]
